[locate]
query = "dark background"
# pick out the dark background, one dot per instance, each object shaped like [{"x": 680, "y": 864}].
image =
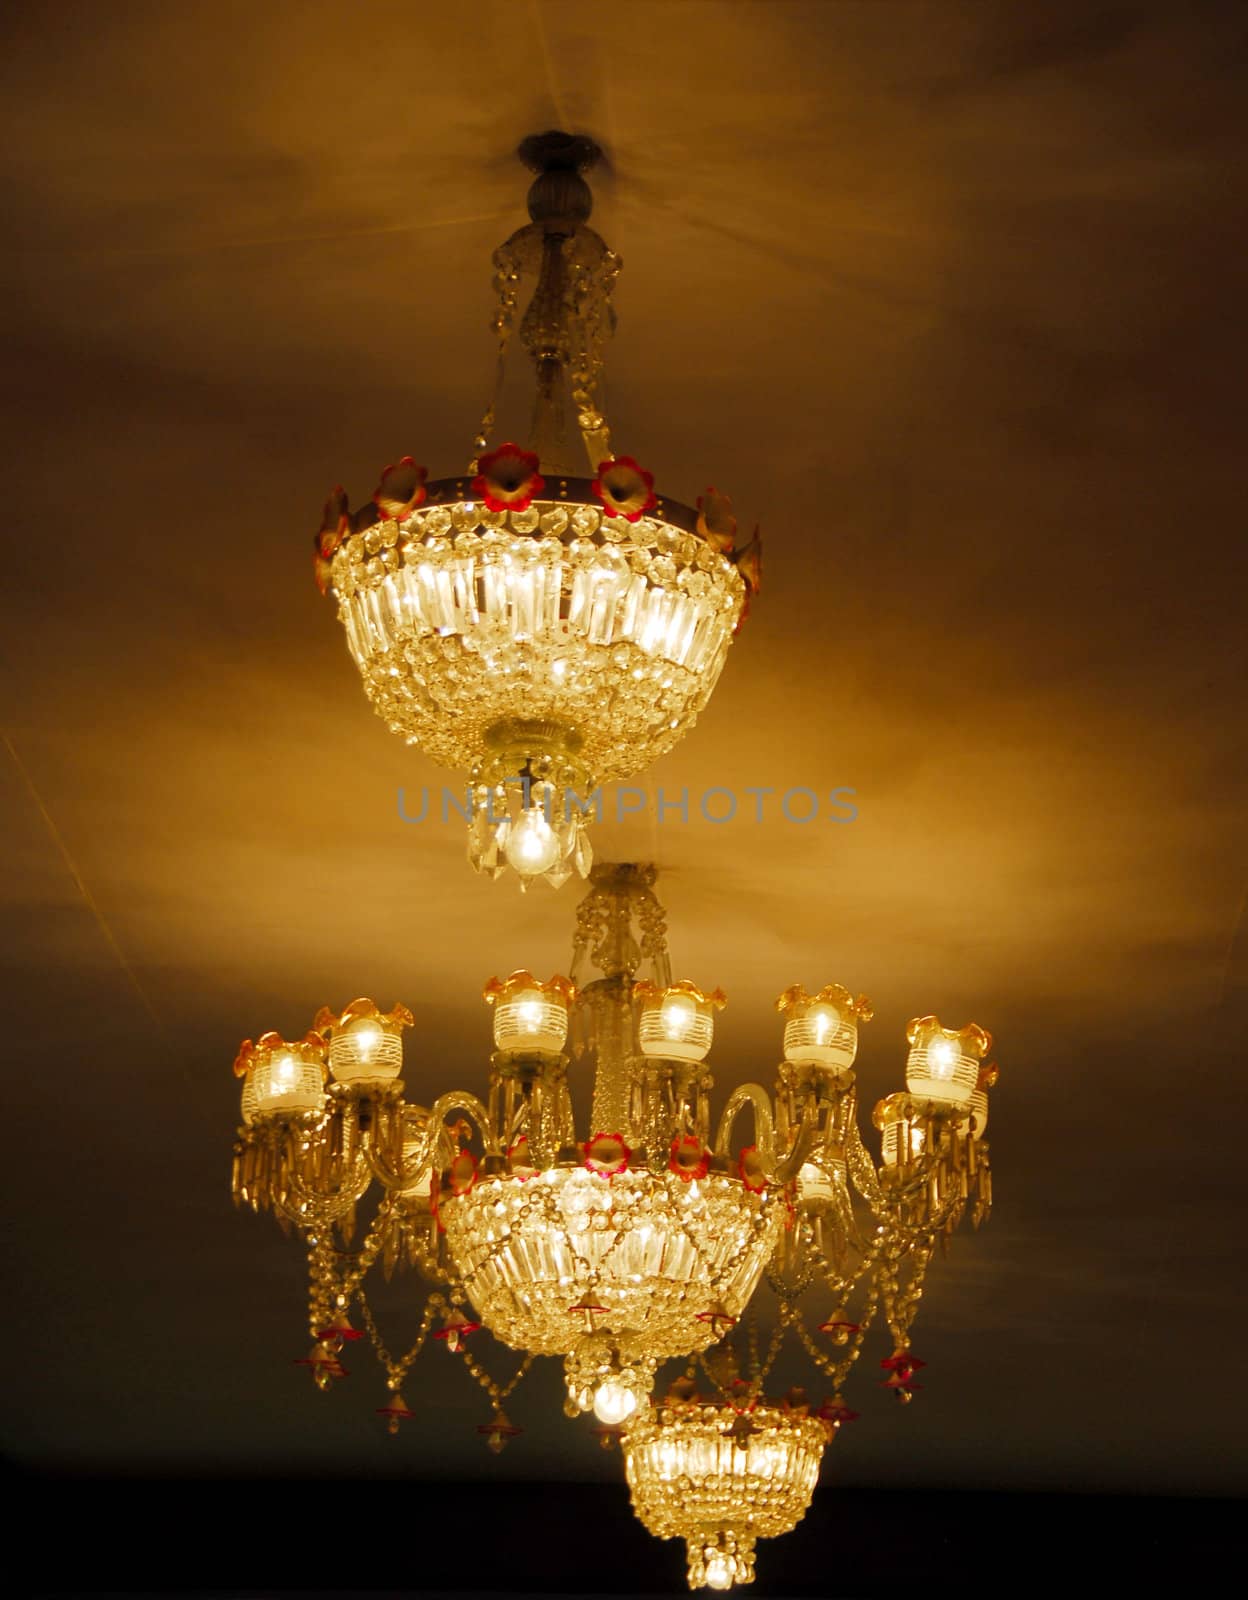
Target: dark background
[{"x": 950, "y": 297}]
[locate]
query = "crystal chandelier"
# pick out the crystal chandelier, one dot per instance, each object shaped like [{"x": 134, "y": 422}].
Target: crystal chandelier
[
  {"x": 650, "y": 1234},
  {"x": 541, "y": 629}
]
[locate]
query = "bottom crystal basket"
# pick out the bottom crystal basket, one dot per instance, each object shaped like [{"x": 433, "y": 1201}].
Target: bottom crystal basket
[{"x": 720, "y": 1479}]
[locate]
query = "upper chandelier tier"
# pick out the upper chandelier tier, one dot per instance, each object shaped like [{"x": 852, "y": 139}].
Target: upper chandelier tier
[{"x": 541, "y": 631}]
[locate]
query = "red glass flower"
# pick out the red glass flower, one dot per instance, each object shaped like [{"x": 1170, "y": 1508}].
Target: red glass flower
[
  {"x": 750, "y": 1166},
  {"x": 607, "y": 1154},
  {"x": 835, "y": 1412},
  {"x": 335, "y": 525},
  {"x": 507, "y": 479},
  {"x": 462, "y": 1172},
  {"x": 716, "y": 523},
  {"x": 750, "y": 565},
  {"x": 749, "y": 560},
  {"x": 401, "y": 490},
  {"x": 689, "y": 1158},
  {"x": 625, "y": 489},
  {"x": 518, "y": 1160}
]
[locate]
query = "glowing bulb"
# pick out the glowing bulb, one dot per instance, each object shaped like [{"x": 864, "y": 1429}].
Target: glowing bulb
[
  {"x": 285, "y": 1073},
  {"x": 613, "y": 1403},
  {"x": 825, "y": 1022},
  {"x": 678, "y": 1019},
  {"x": 718, "y": 1572},
  {"x": 532, "y": 844},
  {"x": 942, "y": 1055},
  {"x": 365, "y": 1036},
  {"x": 529, "y": 1013}
]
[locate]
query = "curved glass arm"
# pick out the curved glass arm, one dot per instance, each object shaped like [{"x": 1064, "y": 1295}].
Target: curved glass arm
[
  {"x": 442, "y": 1108},
  {"x": 776, "y": 1169}
]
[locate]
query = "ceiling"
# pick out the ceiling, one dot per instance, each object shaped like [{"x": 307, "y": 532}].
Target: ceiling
[{"x": 949, "y": 297}]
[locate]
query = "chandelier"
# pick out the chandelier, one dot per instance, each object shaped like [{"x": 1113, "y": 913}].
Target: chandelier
[
  {"x": 650, "y": 1233},
  {"x": 541, "y": 628}
]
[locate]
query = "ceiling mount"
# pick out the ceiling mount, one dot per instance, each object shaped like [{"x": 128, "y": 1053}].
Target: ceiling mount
[{"x": 559, "y": 194}]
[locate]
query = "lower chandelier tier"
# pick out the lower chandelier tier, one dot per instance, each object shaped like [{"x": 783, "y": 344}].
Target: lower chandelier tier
[
  {"x": 646, "y": 1234},
  {"x": 720, "y": 1479}
]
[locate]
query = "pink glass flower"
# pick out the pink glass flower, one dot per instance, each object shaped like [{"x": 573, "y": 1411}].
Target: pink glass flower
[
  {"x": 689, "y": 1158},
  {"x": 401, "y": 490},
  {"x": 507, "y": 479},
  {"x": 716, "y": 523},
  {"x": 607, "y": 1154},
  {"x": 750, "y": 1166},
  {"x": 625, "y": 489},
  {"x": 519, "y": 1161},
  {"x": 335, "y": 525}
]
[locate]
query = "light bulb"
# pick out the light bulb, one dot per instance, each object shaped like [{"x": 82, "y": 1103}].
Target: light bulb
[
  {"x": 529, "y": 1013},
  {"x": 942, "y": 1055},
  {"x": 613, "y": 1403},
  {"x": 284, "y": 1073},
  {"x": 678, "y": 1018},
  {"x": 365, "y": 1035},
  {"x": 532, "y": 844},
  {"x": 718, "y": 1572},
  {"x": 825, "y": 1022}
]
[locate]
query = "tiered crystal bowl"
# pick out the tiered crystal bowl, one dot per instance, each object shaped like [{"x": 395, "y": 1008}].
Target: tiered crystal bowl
[
  {"x": 657, "y": 1259},
  {"x": 559, "y": 631}
]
